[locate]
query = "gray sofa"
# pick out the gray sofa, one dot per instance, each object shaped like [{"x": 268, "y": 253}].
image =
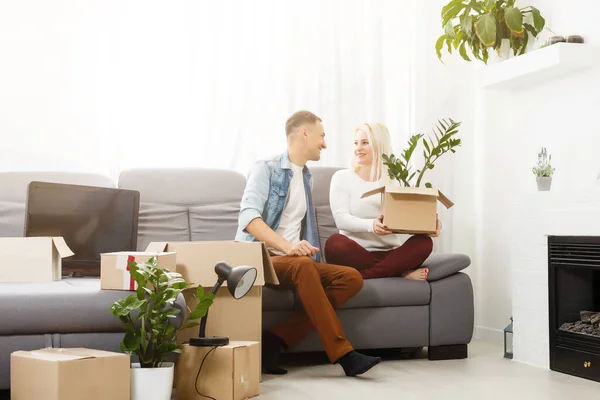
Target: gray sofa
[{"x": 203, "y": 204}]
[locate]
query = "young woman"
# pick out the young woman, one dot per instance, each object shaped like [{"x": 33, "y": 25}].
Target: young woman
[{"x": 364, "y": 242}]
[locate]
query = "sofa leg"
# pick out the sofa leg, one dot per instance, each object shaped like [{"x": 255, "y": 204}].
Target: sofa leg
[{"x": 451, "y": 352}]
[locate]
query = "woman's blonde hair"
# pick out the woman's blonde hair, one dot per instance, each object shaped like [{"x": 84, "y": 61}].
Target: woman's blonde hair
[{"x": 379, "y": 138}]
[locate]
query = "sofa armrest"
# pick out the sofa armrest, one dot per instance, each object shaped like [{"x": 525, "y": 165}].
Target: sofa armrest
[{"x": 443, "y": 265}]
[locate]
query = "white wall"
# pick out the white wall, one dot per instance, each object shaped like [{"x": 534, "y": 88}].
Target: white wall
[{"x": 509, "y": 129}]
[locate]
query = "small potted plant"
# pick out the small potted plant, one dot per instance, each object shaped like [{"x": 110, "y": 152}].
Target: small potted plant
[
  {"x": 400, "y": 169},
  {"x": 486, "y": 25},
  {"x": 149, "y": 316},
  {"x": 543, "y": 171}
]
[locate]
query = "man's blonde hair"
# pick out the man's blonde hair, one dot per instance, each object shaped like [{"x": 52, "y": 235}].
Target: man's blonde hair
[
  {"x": 298, "y": 119},
  {"x": 379, "y": 138}
]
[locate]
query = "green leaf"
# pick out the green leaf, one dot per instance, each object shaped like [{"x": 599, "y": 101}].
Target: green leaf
[
  {"x": 538, "y": 21},
  {"x": 514, "y": 20},
  {"x": 460, "y": 37},
  {"x": 467, "y": 26},
  {"x": 463, "y": 52},
  {"x": 439, "y": 45},
  {"x": 190, "y": 324},
  {"x": 449, "y": 30},
  {"x": 198, "y": 313},
  {"x": 131, "y": 341},
  {"x": 530, "y": 29},
  {"x": 200, "y": 292},
  {"x": 426, "y": 145},
  {"x": 452, "y": 12},
  {"x": 449, "y": 6},
  {"x": 489, "y": 5},
  {"x": 485, "y": 27},
  {"x": 428, "y": 185}
]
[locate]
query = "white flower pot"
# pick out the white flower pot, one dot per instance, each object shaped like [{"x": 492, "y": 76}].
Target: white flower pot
[
  {"x": 543, "y": 183},
  {"x": 152, "y": 383}
]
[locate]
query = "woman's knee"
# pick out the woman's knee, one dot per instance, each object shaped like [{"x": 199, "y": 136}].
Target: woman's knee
[
  {"x": 334, "y": 245},
  {"x": 423, "y": 244}
]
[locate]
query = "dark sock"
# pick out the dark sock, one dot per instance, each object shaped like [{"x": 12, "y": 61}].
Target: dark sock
[
  {"x": 271, "y": 349},
  {"x": 355, "y": 363}
]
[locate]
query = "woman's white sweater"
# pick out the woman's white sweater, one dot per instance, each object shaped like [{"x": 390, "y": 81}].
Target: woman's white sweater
[{"x": 354, "y": 216}]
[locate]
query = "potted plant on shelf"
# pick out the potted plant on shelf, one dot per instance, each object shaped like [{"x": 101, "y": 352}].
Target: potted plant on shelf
[
  {"x": 543, "y": 171},
  {"x": 483, "y": 25},
  {"x": 150, "y": 333},
  {"x": 400, "y": 169}
]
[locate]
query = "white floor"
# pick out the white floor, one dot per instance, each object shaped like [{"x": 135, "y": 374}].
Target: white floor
[{"x": 484, "y": 375}]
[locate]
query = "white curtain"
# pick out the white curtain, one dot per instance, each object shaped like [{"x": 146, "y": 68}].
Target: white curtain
[{"x": 101, "y": 86}]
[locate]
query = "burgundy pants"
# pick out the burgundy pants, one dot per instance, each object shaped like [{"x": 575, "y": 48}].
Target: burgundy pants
[{"x": 341, "y": 250}]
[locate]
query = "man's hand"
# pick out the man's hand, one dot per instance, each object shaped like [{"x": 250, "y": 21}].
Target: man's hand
[
  {"x": 302, "y": 248},
  {"x": 438, "y": 228},
  {"x": 379, "y": 229}
]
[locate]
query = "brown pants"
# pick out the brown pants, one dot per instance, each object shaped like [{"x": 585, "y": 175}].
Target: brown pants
[
  {"x": 340, "y": 249},
  {"x": 322, "y": 288}
]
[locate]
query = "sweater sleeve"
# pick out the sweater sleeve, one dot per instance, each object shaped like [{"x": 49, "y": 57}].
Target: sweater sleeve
[{"x": 340, "y": 193}]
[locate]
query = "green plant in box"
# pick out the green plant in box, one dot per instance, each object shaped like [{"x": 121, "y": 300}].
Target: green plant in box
[
  {"x": 148, "y": 313},
  {"x": 401, "y": 170}
]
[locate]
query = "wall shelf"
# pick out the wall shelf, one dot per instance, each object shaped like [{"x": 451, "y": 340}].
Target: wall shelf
[{"x": 539, "y": 66}]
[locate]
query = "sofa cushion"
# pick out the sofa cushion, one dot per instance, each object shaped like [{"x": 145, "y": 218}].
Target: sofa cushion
[
  {"x": 275, "y": 299},
  {"x": 325, "y": 222},
  {"x": 443, "y": 265},
  {"x": 68, "y": 306},
  {"x": 186, "y": 204},
  {"x": 385, "y": 292}
]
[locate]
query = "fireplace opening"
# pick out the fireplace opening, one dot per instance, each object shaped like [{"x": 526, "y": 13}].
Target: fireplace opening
[{"x": 574, "y": 305}]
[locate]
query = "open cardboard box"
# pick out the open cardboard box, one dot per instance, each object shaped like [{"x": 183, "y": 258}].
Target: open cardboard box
[
  {"x": 410, "y": 210},
  {"x": 114, "y": 267},
  {"x": 32, "y": 259},
  {"x": 241, "y": 319}
]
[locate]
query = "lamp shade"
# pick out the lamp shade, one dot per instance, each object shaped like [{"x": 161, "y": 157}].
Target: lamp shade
[{"x": 239, "y": 279}]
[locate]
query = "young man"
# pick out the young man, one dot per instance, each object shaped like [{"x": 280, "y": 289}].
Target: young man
[{"x": 277, "y": 209}]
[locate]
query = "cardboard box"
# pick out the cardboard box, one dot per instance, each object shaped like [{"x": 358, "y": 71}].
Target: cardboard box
[
  {"x": 69, "y": 374},
  {"x": 114, "y": 268},
  {"x": 237, "y": 319},
  {"x": 32, "y": 259},
  {"x": 410, "y": 209},
  {"x": 228, "y": 372}
]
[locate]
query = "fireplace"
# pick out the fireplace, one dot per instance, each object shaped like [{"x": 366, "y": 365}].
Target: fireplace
[{"x": 574, "y": 305}]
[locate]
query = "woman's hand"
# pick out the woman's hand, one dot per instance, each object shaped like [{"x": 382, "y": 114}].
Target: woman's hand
[
  {"x": 438, "y": 228},
  {"x": 378, "y": 228}
]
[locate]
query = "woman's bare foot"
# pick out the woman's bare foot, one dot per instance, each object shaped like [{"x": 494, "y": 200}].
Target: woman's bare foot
[{"x": 419, "y": 274}]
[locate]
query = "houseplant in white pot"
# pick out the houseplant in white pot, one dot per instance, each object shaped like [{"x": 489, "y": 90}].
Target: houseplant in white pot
[
  {"x": 543, "y": 171},
  {"x": 149, "y": 316}
]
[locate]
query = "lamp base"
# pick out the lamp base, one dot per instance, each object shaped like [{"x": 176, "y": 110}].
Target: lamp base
[{"x": 210, "y": 341}]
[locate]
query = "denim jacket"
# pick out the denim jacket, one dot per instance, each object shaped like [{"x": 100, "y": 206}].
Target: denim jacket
[{"x": 266, "y": 194}]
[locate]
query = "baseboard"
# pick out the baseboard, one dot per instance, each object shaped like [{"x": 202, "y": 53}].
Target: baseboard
[{"x": 490, "y": 335}]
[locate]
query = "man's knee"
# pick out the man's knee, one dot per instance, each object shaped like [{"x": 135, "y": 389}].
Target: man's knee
[
  {"x": 305, "y": 268},
  {"x": 426, "y": 244},
  {"x": 353, "y": 279}
]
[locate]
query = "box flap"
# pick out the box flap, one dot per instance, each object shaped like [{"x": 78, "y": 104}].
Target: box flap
[
  {"x": 270, "y": 274},
  {"x": 58, "y": 354},
  {"x": 411, "y": 190},
  {"x": 444, "y": 200},
  {"x": 372, "y": 192},
  {"x": 61, "y": 247},
  {"x": 157, "y": 247}
]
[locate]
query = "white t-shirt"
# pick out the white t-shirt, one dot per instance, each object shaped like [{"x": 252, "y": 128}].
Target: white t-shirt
[
  {"x": 354, "y": 216},
  {"x": 294, "y": 210}
]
